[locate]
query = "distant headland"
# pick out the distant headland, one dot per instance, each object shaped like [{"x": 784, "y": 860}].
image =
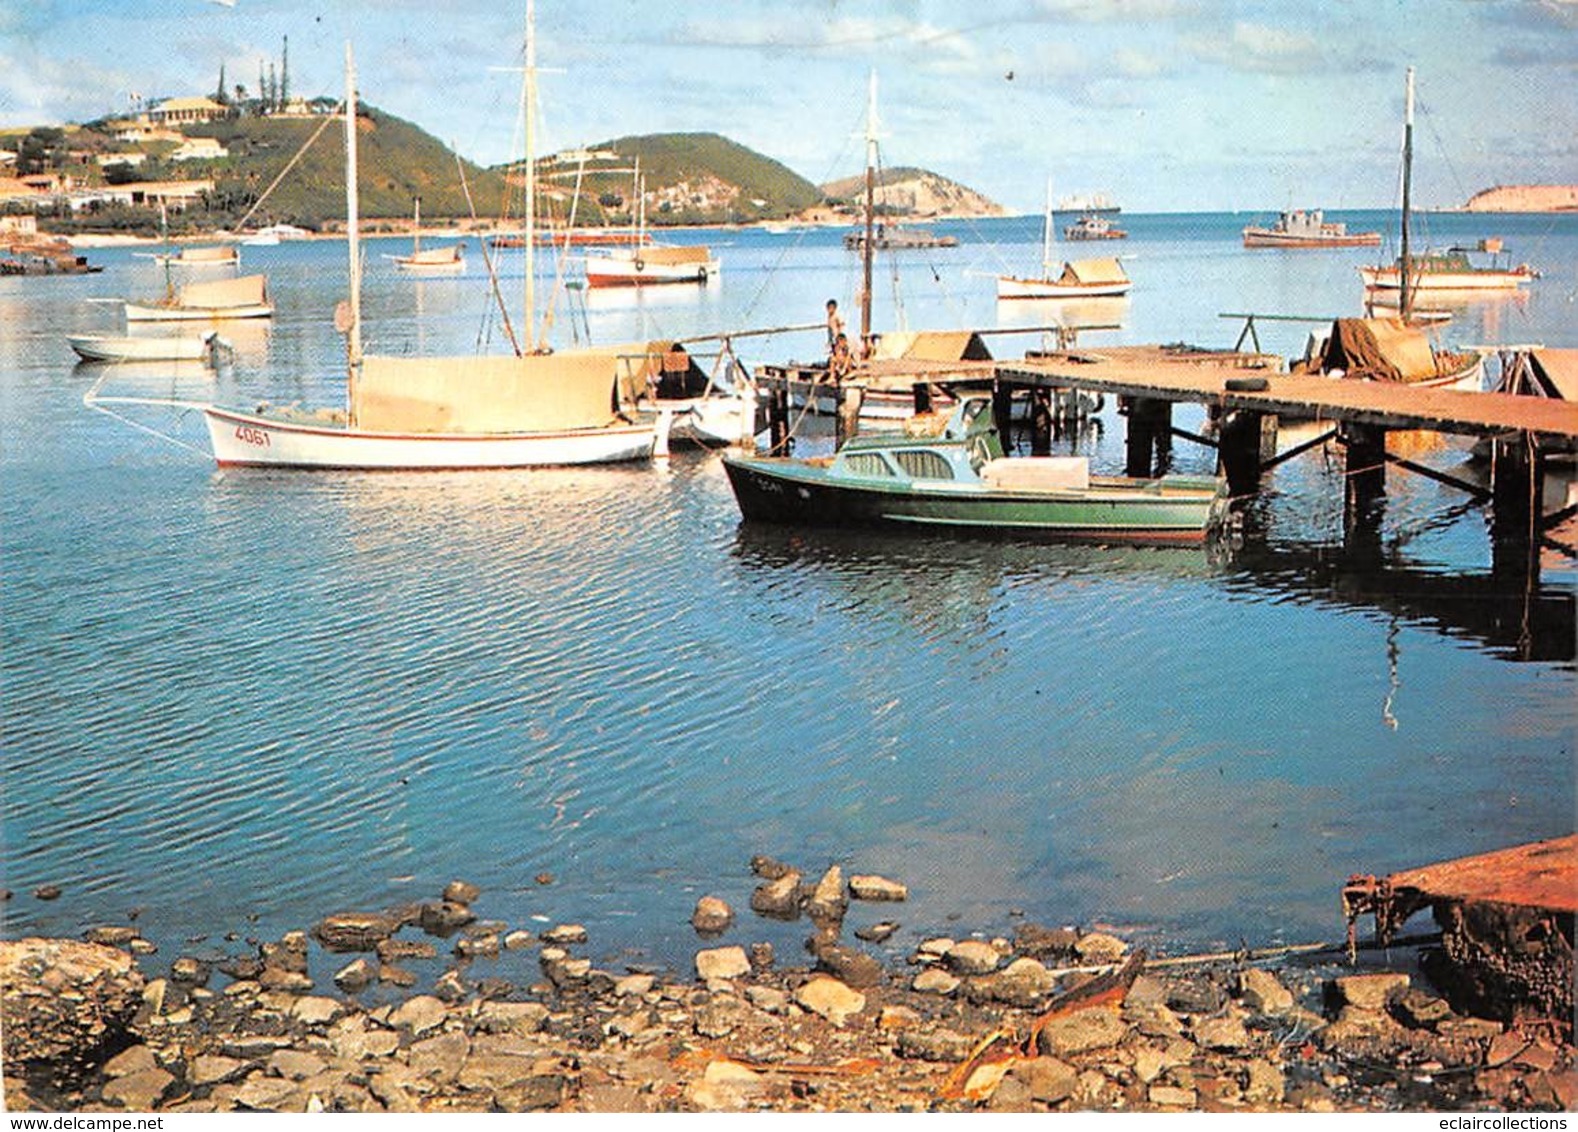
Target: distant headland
[{"x": 1525, "y": 198}]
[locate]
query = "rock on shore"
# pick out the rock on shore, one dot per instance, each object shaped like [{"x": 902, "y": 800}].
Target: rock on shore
[{"x": 977, "y": 1027}]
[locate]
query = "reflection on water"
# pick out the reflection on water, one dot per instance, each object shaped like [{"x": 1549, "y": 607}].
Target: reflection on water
[{"x": 243, "y": 694}]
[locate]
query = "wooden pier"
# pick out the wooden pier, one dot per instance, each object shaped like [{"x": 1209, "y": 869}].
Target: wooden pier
[{"x": 1245, "y": 395}]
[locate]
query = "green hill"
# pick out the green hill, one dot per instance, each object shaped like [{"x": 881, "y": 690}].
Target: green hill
[
  {"x": 398, "y": 162},
  {"x": 700, "y": 178},
  {"x": 688, "y": 178}
]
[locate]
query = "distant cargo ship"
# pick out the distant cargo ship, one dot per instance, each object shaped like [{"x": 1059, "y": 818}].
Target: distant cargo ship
[{"x": 1089, "y": 204}]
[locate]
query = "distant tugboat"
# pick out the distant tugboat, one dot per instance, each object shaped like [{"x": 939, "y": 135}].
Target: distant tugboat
[
  {"x": 1300, "y": 228},
  {"x": 1093, "y": 228},
  {"x": 899, "y": 239}
]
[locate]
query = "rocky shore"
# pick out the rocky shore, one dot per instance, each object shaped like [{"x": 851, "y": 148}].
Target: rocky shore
[{"x": 1053, "y": 1019}]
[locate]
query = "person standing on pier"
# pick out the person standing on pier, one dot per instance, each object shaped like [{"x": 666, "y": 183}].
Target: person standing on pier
[{"x": 835, "y": 325}]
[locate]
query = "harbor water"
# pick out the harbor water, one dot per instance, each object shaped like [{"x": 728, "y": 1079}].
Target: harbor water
[{"x": 236, "y": 701}]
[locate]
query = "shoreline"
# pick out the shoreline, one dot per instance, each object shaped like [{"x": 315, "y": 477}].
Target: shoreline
[
  {"x": 336, "y": 1017},
  {"x": 789, "y": 224}
]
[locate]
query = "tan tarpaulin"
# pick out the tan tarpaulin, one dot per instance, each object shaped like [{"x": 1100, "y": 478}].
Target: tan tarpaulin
[
  {"x": 932, "y": 346},
  {"x": 207, "y": 255},
  {"x": 1379, "y": 349},
  {"x": 1559, "y": 370},
  {"x": 1091, "y": 271},
  {"x": 641, "y": 367},
  {"x": 670, "y": 256},
  {"x": 245, "y": 291},
  {"x": 536, "y": 393}
]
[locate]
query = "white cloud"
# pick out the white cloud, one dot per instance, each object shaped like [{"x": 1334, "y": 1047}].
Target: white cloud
[
  {"x": 37, "y": 90},
  {"x": 1261, "y": 48},
  {"x": 1118, "y": 11},
  {"x": 1138, "y": 64}
]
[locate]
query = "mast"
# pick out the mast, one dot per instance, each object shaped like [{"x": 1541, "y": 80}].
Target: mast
[
  {"x": 638, "y": 205},
  {"x": 1046, "y": 236},
  {"x": 169, "y": 252},
  {"x": 1405, "y": 263},
  {"x": 416, "y": 226},
  {"x": 353, "y": 335},
  {"x": 529, "y": 108},
  {"x": 871, "y": 199}
]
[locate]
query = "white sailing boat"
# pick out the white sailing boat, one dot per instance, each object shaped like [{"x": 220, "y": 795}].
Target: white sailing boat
[
  {"x": 222, "y": 255},
  {"x": 1079, "y": 279},
  {"x": 515, "y": 411},
  {"x": 245, "y": 296},
  {"x": 647, "y": 263},
  {"x": 446, "y": 260},
  {"x": 1449, "y": 270}
]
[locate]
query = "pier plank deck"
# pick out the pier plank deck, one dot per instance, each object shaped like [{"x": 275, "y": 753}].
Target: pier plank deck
[
  {"x": 1145, "y": 372},
  {"x": 1200, "y": 377}
]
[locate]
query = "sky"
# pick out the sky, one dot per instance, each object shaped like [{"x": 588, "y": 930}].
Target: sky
[{"x": 1166, "y": 105}]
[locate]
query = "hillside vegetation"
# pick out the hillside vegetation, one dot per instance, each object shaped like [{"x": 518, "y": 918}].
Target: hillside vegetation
[
  {"x": 398, "y": 162},
  {"x": 689, "y": 178},
  {"x": 686, "y": 178}
]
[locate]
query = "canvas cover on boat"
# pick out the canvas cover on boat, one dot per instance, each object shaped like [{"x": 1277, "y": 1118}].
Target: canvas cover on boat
[
  {"x": 664, "y": 365},
  {"x": 244, "y": 291},
  {"x": 1093, "y": 271},
  {"x": 1378, "y": 349},
  {"x": 208, "y": 255},
  {"x": 672, "y": 255},
  {"x": 932, "y": 346},
  {"x": 1558, "y": 371},
  {"x": 535, "y": 393}
]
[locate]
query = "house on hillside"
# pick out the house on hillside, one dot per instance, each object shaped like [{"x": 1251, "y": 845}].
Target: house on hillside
[
  {"x": 174, "y": 195},
  {"x": 186, "y": 111},
  {"x": 14, "y": 190},
  {"x": 142, "y": 132},
  {"x": 199, "y": 149}
]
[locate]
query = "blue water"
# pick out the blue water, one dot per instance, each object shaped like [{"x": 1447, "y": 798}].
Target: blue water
[{"x": 238, "y": 701}]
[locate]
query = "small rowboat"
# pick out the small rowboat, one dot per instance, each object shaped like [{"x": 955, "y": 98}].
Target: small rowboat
[{"x": 119, "y": 348}]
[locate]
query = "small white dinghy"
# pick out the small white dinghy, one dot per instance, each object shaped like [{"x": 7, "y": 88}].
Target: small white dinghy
[{"x": 120, "y": 348}]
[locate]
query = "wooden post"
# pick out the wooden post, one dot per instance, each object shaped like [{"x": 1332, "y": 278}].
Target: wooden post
[
  {"x": 1040, "y": 422},
  {"x": 1268, "y": 437},
  {"x": 1364, "y": 486},
  {"x": 778, "y": 417},
  {"x": 1003, "y": 414},
  {"x": 849, "y": 398},
  {"x": 1149, "y": 438},
  {"x": 1162, "y": 435},
  {"x": 1238, "y": 450},
  {"x": 1517, "y": 475}
]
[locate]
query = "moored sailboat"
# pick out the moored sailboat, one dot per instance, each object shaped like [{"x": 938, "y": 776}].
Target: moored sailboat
[
  {"x": 1451, "y": 270},
  {"x": 1080, "y": 279},
  {"x": 446, "y": 260},
  {"x": 531, "y": 409},
  {"x": 243, "y": 297}
]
